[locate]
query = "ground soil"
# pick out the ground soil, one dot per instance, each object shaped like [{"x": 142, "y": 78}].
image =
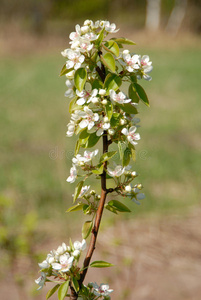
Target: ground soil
[{"x": 156, "y": 258}]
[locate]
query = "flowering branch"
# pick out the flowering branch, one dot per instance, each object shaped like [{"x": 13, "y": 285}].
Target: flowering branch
[{"x": 95, "y": 69}]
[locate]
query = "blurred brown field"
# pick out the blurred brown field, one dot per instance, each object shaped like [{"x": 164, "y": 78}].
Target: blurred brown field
[{"x": 156, "y": 250}]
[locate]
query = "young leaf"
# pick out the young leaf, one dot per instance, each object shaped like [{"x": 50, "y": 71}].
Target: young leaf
[
  {"x": 100, "y": 264},
  {"x": 99, "y": 40},
  {"x": 52, "y": 291},
  {"x": 97, "y": 84},
  {"x": 77, "y": 190},
  {"x": 76, "y": 207},
  {"x": 86, "y": 229},
  {"x": 75, "y": 284},
  {"x": 98, "y": 171},
  {"x": 63, "y": 289},
  {"x": 80, "y": 78},
  {"x": 119, "y": 206},
  {"x": 84, "y": 134},
  {"x": 111, "y": 209},
  {"x": 73, "y": 106},
  {"x": 109, "y": 109},
  {"x": 123, "y": 41},
  {"x": 141, "y": 93},
  {"x": 128, "y": 108},
  {"x": 121, "y": 151},
  {"x": 112, "y": 82},
  {"x": 109, "y": 61},
  {"x": 133, "y": 154},
  {"x": 112, "y": 47},
  {"x": 106, "y": 156},
  {"x": 92, "y": 140},
  {"x": 133, "y": 94},
  {"x": 126, "y": 157},
  {"x": 65, "y": 71},
  {"x": 77, "y": 147}
]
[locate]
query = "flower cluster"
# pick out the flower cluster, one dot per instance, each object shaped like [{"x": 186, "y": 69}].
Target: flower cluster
[
  {"x": 60, "y": 263},
  {"x": 95, "y": 69}
]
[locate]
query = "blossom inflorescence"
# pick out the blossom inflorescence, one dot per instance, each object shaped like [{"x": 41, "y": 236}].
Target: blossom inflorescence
[{"x": 96, "y": 67}]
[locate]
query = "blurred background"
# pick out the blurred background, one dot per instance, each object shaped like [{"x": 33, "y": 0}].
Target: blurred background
[{"x": 156, "y": 249}]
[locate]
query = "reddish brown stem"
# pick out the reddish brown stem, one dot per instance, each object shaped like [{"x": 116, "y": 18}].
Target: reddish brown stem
[{"x": 98, "y": 215}]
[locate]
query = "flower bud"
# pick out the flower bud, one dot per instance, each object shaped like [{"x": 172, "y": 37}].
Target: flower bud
[
  {"x": 134, "y": 174},
  {"x": 102, "y": 92},
  {"x": 94, "y": 100},
  {"x": 84, "y": 29},
  {"x": 122, "y": 121},
  {"x": 104, "y": 102},
  {"x": 128, "y": 188},
  {"x": 92, "y": 192},
  {"x": 105, "y": 119},
  {"x": 111, "y": 131},
  {"x": 76, "y": 253},
  {"x": 139, "y": 186}
]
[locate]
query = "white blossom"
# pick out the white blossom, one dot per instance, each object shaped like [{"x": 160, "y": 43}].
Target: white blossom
[
  {"x": 70, "y": 92},
  {"x": 102, "y": 126},
  {"x": 75, "y": 59},
  {"x": 71, "y": 128},
  {"x": 73, "y": 174},
  {"x": 132, "y": 137},
  {"x": 119, "y": 98},
  {"x": 41, "y": 280},
  {"x": 81, "y": 246},
  {"x": 102, "y": 290},
  {"x": 89, "y": 118},
  {"x": 84, "y": 190},
  {"x": 65, "y": 263},
  {"x": 146, "y": 66},
  {"x": 86, "y": 96},
  {"x": 132, "y": 62},
  {"x": 117, "y": 172},
  {"x": 81, "y": 160}
]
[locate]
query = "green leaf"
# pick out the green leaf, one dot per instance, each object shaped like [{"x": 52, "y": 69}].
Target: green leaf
[
  {"x": 77, "y": 190},
  {"x": 114, "y": 122},
  {"x": 92, "y": 140},
  {"x": 73, "y": 106},
  {"x": 109, "y": 61},
  {"x": 52, "y": 291},
  {"x": 77, "y": 147},
  {"x": 123, "y": 41},
  {"x": 133, "y": 94},
  {"x": 64, "y": 70},
  {"x": 106, "y": 156},
  {"x": 100, "y": 264},
  {"x": 86, "y": 229},
  {"x": 141, "y": 93},
  {"x": 126, "y": 157},
  {"x": 75, "y": 284},
  {"x": 97, "y": 84},
  {"x": 98, "y": 171},
  {"x": 133, "y": 154},
  {"x": 63, "y": 290},
  {"x": 121, "y": 151},
  {"x": 109, "y": 109},
  {"x": 128, "y": 108},
  {"x": 76, "y": 207},
  {"x": 99, "y": 40},
  {"x": 111, "y": 46},
  {"x": 133, "y": 78},
  {"x": 112, "y": 82},
  {"x": 80, "y": 78},
  {"x": 84, "y": 134},
  {"x": 111, "y": 209},
  {"x": 119, "y": 206}
]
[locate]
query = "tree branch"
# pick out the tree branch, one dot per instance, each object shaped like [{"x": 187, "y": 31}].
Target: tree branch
[{"x": 98, "y": 215}]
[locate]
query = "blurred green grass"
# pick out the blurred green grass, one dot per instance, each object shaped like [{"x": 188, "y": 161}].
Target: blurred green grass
[{"x": 36, "y": 155}]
